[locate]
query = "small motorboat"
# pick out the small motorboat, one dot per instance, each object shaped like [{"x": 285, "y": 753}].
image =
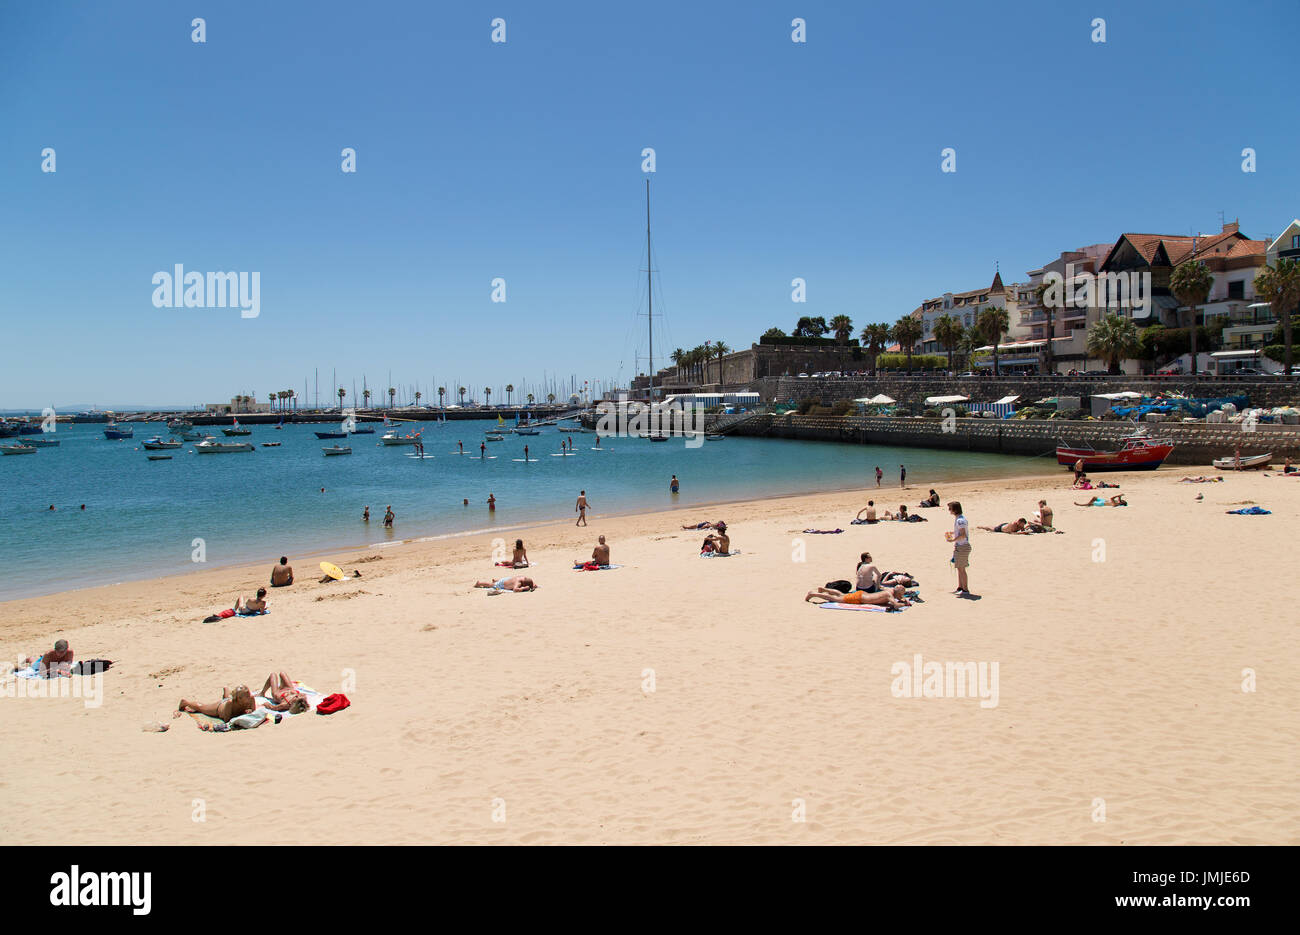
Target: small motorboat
[
  {"x": 8, "y": 429},
  {"x": 114, "y": 433},
  {"x": 337, "y": 450},
  {"x": 658, "y": 438},
  {"x": 1249, "y": 463},
  {"x": 369, "y": 430},
  {"x": 714, "y": 438},
  {"x": 179, "y": 425},
  {"x": 331, "y": 435},
  {"x": 159, "y": 457},
  {"x": 211, "y": 446},
  {"x": 29, "y": 428},
  {"x": 192, "y": 436},
  {"x": 527, "y": 432},
  {"x": 236, "y": 431},
  {"x": 270, "y": 444},
  {"x": 17, "y": 449},
  {"x": 392, "y": 438},
  {"x": 158, "y": 444},
  {"x": 494, "y": 438},
  {"x": 40, "y": 442}
]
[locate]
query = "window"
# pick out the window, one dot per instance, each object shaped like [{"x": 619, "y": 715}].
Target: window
[
  {"x": 1237, "y": 290},
  {"x": 1295, "y": 241}
]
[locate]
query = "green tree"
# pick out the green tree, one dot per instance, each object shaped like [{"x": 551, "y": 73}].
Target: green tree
[
  {"x": 948, "y": 332},
  {"x": 875, "y": 337},
  {"x": 842, "y": 326},
  {"x": 811, "y": 327},
  {"x": 721, "y": 349},
  {"x": 510, "y": 389},
  {"x": 907, "y": 331},
  {"x": 993, "y": 324},
  {"x": 1279, "y": 286},
  {"x": 775, "y": 333},
  {"x": 1041, "y": 288},
  {"x": 1114, "y": 340},
  {"x": 1190, "y": 284}
]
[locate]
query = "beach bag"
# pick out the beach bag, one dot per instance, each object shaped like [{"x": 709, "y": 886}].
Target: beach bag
[
  {"x": 841, "y": 585},
  {"x": 92, "y": 666}
]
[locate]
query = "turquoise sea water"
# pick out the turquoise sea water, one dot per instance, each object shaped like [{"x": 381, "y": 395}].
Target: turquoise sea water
[{"x": 142, "y": 517}]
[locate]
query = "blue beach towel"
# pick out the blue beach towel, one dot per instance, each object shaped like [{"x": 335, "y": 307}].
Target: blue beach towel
[
  {"x": 1252, "y": 511},
  {"x": 863, "y": 522}
]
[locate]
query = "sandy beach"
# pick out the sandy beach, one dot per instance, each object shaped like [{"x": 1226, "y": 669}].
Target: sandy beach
[{"x": 687, "y": 700}]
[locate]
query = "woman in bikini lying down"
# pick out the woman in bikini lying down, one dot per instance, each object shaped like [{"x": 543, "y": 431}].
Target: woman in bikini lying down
[
  {"x": 1117, "y": 500},
  {"x": 890, "y": 597},
  {"x": 232, "y": 705},
  {"x": 1016, "y": 527},
  {"x": 284, "y": 696}
]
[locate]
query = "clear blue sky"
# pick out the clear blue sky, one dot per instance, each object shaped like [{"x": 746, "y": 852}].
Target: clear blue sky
[{"x": 522, "y": 160}]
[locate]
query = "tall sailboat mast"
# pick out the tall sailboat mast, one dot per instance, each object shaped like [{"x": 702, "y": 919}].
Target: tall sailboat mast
[{"x": 649, "y": 286}]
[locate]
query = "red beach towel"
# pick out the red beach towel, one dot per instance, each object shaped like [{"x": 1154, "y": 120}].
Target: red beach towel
[{"x": 332, "y": 704}]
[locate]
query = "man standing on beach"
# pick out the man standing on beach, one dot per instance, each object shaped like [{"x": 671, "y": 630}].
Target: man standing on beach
[
  {"x": 960, "y": 539},
  {"x": 879, "y": 475},
  {"x": 581, "y": 507},
  {"x": 902, "y": 476}
]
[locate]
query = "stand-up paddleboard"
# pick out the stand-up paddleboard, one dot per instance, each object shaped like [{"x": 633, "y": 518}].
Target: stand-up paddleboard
[
  {"x": 524, "y": 460},
  {"x": 602, "y": 449},
  {"x": 488, "y": 458},
  {"x": 565, "y": 455},
  {"x": 334, "y": 571},
  {"x": 421, "y": 457}
]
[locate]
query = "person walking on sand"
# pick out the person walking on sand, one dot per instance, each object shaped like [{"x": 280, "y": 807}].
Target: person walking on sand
[
  {"x": 581, "y": 508},
  {"x": 960, "y": 539},
  {"x": 879, "y": 475},
  {"x": 672, "y": 485}
]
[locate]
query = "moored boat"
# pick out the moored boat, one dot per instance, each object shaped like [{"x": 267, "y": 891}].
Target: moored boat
[
  {"x": 1249, "y": 463},
  {"x": 494, "y": 438},
  {"x": 337, "y": 450},
  {"x": 392, "y": 438},
  {"x": 159, "y": 457},
  {"x": 210, "y": 446},
  {"x": 192, "y": 436},
  {"x": 157, "y": 443},
  {"x": 113, "y": 432},
  {"x": 331, "y": 434},
  {"x": 17, "y": 449},
  {"x": 270, "y": 444},
  {"x": 368, "y": 430},
  {"x": 236, "y": 430},
  {"x": 1136, "y": 453},
  {"x": 39, "y": 442}
]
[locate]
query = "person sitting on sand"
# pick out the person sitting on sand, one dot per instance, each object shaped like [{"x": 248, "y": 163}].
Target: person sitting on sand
[
  {"x": 231, "y": 705},
  {"x": 867, "y": 574},
  {"x": 1015, "y": 528},
  {"x": 53, "y": 663},
  {"x": 1083, "y": 483},
  {"x": 284, "y": 694},
  {"x": 600, "y": 554},
  {"x": 517, "y": 583},
  {"x": 932, "y": 500},
  {"x": 520, "y": 557},
  {"x": 721, "y": 542},
  {"x": 1117, "y": 500},
  {"x": 1287, "y": 467},
  {"x": 1044, "y": 514},
  {"x": 892, "y": 598},
  {"x": 282, "y": 574},
  {"x": 253, "y": 605},
  {"x": 870, "y": 510}
]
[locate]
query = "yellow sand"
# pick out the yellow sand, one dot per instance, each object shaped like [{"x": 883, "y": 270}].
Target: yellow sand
[{"x": 1120, "y": 687}]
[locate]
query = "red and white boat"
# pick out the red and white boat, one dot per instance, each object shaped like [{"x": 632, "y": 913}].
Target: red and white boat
[{"x": 1136, "y": 453}]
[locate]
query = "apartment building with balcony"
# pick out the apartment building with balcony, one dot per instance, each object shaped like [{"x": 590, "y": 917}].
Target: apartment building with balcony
[{"x": 965, "y": 307}]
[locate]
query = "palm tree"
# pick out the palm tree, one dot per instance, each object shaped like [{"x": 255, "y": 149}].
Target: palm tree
[
  {"x": 906, "y": 331},
  {"x": 365, "y": 398},
  {"x": 721, "y": 349},
  {"x": 1114, "y": 340},
  {"x": 392, "y": 392},
  {"x": 530, "y": 399},
  {"x": 1190, "y": 284},
  {"x": 967, "y": 344},
  {"x": 993, "y": 324},
  {"x": 1280, "y": 286},
  {"x": 461, "y": 391},
  {"x": 842, "y": 326},
  {"x": 418, "y": 394},
  {"x": 875, "y": 337},
  {"x": 510, "y": 389},
  {"x": 550, "y": 398},
  {"x": 948, "y": 332},
  {"x": 699, "y": 356},
  {"x": 342, "y": 393},
  {"x": 487, "y": 395},
  {"x": 1039, "y": 290},
  {"x": 442, "y": 391},
  {"x": 678, "y": 357}
]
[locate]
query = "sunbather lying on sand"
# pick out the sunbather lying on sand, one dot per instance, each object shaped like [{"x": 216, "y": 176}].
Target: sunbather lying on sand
[
  {"x": 718, "y": 524},
  {"x": 890, "y": 597},
  {"x": 1117, "y": 500},
  {"x": 1017, "y": 527},
  {"x": 517, "y": 583},
  {"x": 231, "y": 705},
  {"x": 1201, "y": 479},
  {"x": 283, "y": 694}
]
